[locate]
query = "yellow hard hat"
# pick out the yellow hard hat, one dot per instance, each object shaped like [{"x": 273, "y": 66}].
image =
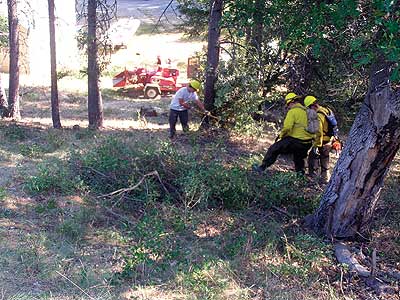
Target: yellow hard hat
[
  {"x": 290, "y": 97},
  {"x": 195, "y": 84},
  {"x": 309, "y": 100}
]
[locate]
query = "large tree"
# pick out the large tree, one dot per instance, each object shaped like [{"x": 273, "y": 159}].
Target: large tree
[
  {"x": 4, "y": 44},
  {"x": 95, "y": 103},
  {"x": 349, "y": 201},
  {"x": 55, "y": 104},
  {"x": 213, "y": 51},
  {"x": 93, "y": 37},
  {"x": 330, "y": 46},
  {"x": 13, "y": 90}
]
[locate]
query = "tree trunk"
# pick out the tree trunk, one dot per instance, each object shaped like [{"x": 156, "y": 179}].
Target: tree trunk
[
  {"x": 212, "y": 52},
  {"x": 257, "y": 30},
  {"x": 350, "y": 198},
  {"x": 300, "y": 73},
  {"x": 95, "y": 107},
  {"x": 55, "y": 104},
  {"x": 13, "y": 90}
]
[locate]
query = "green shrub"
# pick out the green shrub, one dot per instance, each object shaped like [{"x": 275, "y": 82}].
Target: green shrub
[
  {"x": 52, "y": 176},
  {"x": 55, "y": 139},
  {"x": 31, "y": 150},
  {"x": 286, "y": 189},
  {"x": 113, "y": 164},
  {"x": 238, "y": 96},
  {"x": 226, "y": 186},
  {"x": 46, "y": 206},
  {"x": 74, "y": 227},
  {"x": 14, "y": 132},
  {"x": 304, "y": 256},
  {"x": 3, "y": 193}
]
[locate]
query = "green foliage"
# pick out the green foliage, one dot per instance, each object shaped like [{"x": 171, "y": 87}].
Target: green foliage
[
  {"x": 3, "y": 31},
  {"x": 66, "y": 72},
  {"x": 282, "y": 189},
  {"x": 113, "y": 164},
  {"x": 14, "y": 132},
  {"x": 237, "y": 95},
  {"x": 304, "y": 254},
  {"x": 52, "y": 176},
  {"x": 31, "y": 150},
  {"x": 3, "y": 193},
  {"x": 216, "y": 185},
  {"x": 195, "y": 12},
  {"x": 204, "y": 281},
  {"x": 74, "y": 227},
  {"x": 155, "y": 248},
  {"x": 46, "y": 206},
  {"x": 55, "y": 139}
]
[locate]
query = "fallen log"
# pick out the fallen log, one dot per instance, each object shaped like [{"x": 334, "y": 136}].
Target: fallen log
[{"x": 344, "y": 256}]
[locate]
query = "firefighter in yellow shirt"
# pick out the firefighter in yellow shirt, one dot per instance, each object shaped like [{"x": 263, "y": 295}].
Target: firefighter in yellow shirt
[
  {"x": 319, "y": 154},
  {"x": 293, "y": 138}
]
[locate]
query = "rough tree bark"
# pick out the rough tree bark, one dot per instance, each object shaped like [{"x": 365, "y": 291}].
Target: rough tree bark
[
  {"x": 95, "y": 106},
  {"x": 212, "y": 52},
  {"x": 350, "y": 198},
  {"x": 55, "y": 104},
  {"x": 13, "y": 90}
]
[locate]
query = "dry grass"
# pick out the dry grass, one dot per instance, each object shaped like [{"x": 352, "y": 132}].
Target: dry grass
[{"x": 69, "y": 247}]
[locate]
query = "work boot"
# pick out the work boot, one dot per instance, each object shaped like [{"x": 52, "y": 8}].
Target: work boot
[
  {"x": 313, "y": 166},
  {"x": 325, "y": 176}
]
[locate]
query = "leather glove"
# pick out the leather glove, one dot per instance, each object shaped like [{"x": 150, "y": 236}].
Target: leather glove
[{"x": 336, "y": 145}]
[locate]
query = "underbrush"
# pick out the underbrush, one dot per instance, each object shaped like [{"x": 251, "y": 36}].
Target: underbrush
[
  {"x": 208, "y": 227},
  {"x": 127, "y": 174},
  {"x": 386, "y": 228}
]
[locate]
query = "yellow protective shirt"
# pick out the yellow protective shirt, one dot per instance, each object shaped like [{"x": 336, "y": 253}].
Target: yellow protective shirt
[
  {"x": 295, "y": 124},
  {"x": 321, "y": 136}
]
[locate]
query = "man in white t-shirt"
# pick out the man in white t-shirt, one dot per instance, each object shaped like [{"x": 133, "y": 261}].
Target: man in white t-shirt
[{"x": 181, "y": 103}]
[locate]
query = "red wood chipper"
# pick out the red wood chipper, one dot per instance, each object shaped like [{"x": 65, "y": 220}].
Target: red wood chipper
[{"x": 149, "y": 83}]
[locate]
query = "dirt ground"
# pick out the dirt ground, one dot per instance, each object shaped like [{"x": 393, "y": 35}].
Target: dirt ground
[
  {"x": 32, "y": 266},
  {"x": 29, "y": 262}
]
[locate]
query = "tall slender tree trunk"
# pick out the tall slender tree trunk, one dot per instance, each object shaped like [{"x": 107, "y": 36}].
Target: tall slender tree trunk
[
  {"x": 348, "y": 203},
  {"x": 257, "y": 31},
  {"x": 13, "y": 90},
  {"x": 95, "y": 106},
  {"x": 256, "y": 43},
  {"x": 55, "y": 104},
  {"x": 212, "y": 52}
]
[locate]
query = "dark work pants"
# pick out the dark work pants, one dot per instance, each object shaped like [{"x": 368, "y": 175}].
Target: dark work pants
[
  {"x": 321, "y": 162},
  {"x": 173, "y": 119},
  {"x": 288, "y": 145}
]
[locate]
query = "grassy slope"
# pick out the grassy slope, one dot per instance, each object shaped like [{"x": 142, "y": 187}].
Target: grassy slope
[{"x": 70, "y": 245}]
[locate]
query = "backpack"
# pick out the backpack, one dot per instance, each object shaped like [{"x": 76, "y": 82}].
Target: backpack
[
  {"x": 312, "y": 120},
  {"x": 333, "y": 129}
]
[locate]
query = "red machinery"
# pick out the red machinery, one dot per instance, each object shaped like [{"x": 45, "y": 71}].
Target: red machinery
[{"x": 150, "y": 83}]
